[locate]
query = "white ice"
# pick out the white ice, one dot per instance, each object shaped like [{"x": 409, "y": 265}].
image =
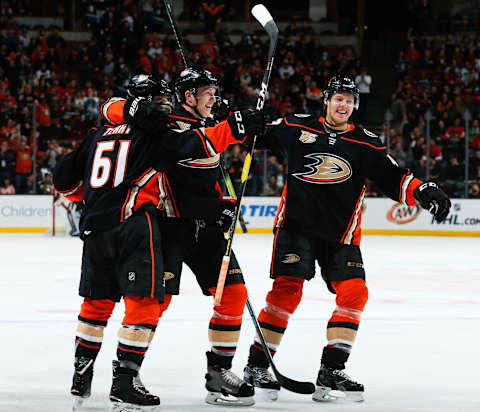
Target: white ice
[{"x": 417, "y": 347}]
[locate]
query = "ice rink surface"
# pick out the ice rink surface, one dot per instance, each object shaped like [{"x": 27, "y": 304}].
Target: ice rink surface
[{"x": 417, "y": 347}]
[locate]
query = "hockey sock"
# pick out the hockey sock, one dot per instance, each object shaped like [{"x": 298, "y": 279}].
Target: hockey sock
[
  {"x": 88, "y": 338},
  {"x": 226, "y": 322},
  {"x": 135, "y": 335},
  {"x": 352, "y": 295},
  {"x": 282, "y": 301},
  {"x": 92, "y": 320},
  {"x": 133, "y": 343}
]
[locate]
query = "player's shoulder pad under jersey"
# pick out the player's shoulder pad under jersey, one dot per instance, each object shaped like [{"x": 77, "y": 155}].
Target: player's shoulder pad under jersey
[{"x": 367, "y": 136}]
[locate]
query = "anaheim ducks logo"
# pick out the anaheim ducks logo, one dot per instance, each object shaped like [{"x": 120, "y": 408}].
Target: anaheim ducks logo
[
  {"x": 168, "y": 275},
  {"x": 183, "y": 126},
  {"x": 326, "y": 169},
  {"x": 291, "y": 258}
]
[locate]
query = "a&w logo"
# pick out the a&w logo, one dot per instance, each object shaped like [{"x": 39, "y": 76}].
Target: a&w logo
[
  {"x": 326, "y": 169},
  {"x": 307, "y": 137},
  {"x": 401, "y": 214}
]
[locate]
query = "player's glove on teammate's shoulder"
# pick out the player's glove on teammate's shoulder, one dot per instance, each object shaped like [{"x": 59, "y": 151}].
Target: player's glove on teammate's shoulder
[
  {"x": 227, "y": 214},
  {"x": 248, "y": 123},
  {"x": 220, "y": 109},
  {"x": 433, "y": 199},
  {"x": 148, "y": 115}
]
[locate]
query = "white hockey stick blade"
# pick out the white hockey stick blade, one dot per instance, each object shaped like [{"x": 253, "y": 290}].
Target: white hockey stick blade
[{"x": 261, "y": 13}]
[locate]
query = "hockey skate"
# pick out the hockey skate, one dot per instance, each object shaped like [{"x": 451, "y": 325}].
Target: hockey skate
[
  {"x": 128, "y": 394},
  {"x": 262, "y": 379},
  {"x": 334, "y": 384},
  {"x": 82, "y": 381}
]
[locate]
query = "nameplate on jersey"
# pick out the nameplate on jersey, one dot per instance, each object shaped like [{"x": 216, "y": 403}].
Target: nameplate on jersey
[
  {"x": 326, "y": 168},
  {"x": 307, "y": 137},
  {"x": 207, "y": 163},
  {"x": 183, "y": 126},
  {"x": 122, "y": 129}
]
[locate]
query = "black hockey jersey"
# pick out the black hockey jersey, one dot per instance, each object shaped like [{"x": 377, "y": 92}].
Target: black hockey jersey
[
  {"x": 327, "y": 171},
  {"x": 193, "y": 189},
  {"x": 194, "y": 182},
  {"x": 117, "y": 169}
]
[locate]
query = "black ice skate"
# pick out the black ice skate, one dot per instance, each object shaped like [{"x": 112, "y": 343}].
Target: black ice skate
[
  {"x": 334, "y": 384},
  {"x": 261, "y": 378},
  {"x": 128, "y": 393},
  {"x": 82, "y": 381}
]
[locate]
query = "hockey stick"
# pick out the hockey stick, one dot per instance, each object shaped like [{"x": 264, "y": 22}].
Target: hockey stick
[
  {"x": 181, "y": 48},
  {"x": 287, "y": 383},
  {"x": 173, "y": 25},
  {"x": 231, "y": 190},
  {"x": 263, "y": 16}
]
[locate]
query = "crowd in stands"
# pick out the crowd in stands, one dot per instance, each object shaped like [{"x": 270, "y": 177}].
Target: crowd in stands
[
  {"x": 438, "y": 75},
  {"x": 61, "y": 84}
]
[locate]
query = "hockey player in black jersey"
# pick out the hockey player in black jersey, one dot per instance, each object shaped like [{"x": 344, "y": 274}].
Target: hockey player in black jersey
[
  {"x": 196, "y": 217},
  {"x": 318, "y": 220},
  {"x": 117, "y": 173}
]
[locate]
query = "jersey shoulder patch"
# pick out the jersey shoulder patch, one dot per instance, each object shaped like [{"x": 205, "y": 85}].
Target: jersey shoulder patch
[
  {"x": 302, "y": 115},
  {"x": 369, "y": 133}
]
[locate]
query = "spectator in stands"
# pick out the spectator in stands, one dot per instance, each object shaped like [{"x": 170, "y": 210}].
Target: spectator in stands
[
  {"x": 7, "y": 161},
  {"x": 399, "y": 154},
  {"x": 271, "y": 187},
  {"x": 314, "y": 99},
  {"x": 363, "y": 82},
  {"x": 474, "y": 191},
  {"x": 23, "y": 164},
  {"x": 7, "y": 188},
  {"x": 212, "y": 13}
]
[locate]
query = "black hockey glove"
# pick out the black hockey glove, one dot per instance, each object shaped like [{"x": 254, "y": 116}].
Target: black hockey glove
[
  {"x": 433, "y": 199},
  {"x": 248, "y": 123},
  {"x": 220, "y": 109},
  {"x": 227, "y": 214},
  {"x": 147, "y": 115}
]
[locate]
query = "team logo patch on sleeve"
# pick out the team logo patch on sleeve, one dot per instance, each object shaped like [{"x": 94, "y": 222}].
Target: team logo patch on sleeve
[
  {"x": 369, "y": 133},
  {"x": 307, "y": 137},
  {"x": 291, "y": 258},
  {"x": 326, "y": 169},
  {"x": 183, "y": 126},
  {"x": 168, "y": 275}
]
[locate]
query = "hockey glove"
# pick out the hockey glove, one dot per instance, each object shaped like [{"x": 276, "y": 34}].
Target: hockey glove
[
  {"x": 248, "y": 123},
  {"x": 220, "y": 109},
  {"x": 227, "y": 214},
  {"x": 145, "y": 114},
  {"x": 433, "y": 199}
]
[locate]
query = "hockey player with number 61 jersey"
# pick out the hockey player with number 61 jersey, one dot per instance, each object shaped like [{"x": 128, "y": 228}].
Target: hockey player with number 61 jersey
[{"x": 318, "y": 220}]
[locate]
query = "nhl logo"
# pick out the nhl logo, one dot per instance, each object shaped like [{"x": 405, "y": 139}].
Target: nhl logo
[
  {"x": 183, "y": 126},
  {"x": 131, "y": 276},
  {"x": 307, "y": 137}
]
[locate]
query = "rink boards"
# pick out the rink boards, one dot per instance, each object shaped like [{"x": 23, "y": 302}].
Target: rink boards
[{"x": 34, "y": 214}]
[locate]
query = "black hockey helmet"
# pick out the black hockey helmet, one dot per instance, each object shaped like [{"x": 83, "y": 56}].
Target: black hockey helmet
[
  {"x": 342, "y": 84},
  {"x": 192, "y": 79},
  {"x": 148, "y": 86}
]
